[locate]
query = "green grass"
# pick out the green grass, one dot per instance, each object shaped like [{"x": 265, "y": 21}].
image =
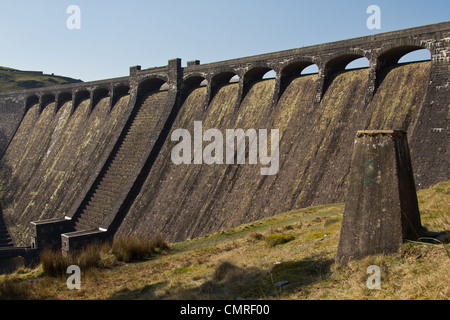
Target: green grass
[
  {"x": 12, "y": 79},
  {"x": 238, "y": 263}
]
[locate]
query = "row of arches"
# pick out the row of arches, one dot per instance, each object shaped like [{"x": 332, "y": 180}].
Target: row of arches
[
  {"x": 418, "y": 54},
  {"x": 77, "y": 96},
  {"x": 95, "y": 95},
  {"x": 303, "y": 66},
  {"x": 361, "y": 62},
  {"x": 284, "y": 72}
]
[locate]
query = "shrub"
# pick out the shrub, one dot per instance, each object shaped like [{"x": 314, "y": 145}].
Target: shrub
[
  {"x": 88, "y": 257},
  {"x": 254, "y": 237},
  {"x": 96, "y": 255},
  {"x": 55, "y": 263},
  {"x": 277, "y": 239},
  {"x": 157, "y": 243},
  {"x": 137, "y": 247},
  {"x": 225, "y": 271}
]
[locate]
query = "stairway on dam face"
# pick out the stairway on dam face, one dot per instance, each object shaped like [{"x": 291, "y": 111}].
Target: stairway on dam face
[{"x": 128, "y": 151}]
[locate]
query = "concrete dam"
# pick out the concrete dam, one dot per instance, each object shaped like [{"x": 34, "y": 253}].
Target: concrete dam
[{"x": 92, "y": 160}]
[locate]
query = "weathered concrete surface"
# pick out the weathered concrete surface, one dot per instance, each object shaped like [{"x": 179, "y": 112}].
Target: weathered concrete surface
[
  {"x": 59, "y": 137},
  {"x": 11, "y": 113},
  {"x": 381, "y": 208},
  {"x": 315, "y": 151},
  {"x": 51, "y": 158}
]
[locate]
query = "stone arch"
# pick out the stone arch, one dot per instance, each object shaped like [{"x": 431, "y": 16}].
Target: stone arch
[
  {"x": 256, "y": 74},
  {"x": 222, "y": 78},
  {"x": 392, "y": 55},
  {"x": 340, "y": 61},
  {"x": 46, "y": 99},
  {"x": 291, "y": 71},
  {"x": 414, "y": 56},
  {"x": 295, "y": 68},
  {"x": 62, "y": 98},
  {"x": 337, "y": 64},
  {"x": 118, "y": 91},
  {"x": 98, "y": 94},
  {"x": 152, "y": 83},
  {"x": 218, "y": 80},
  {"x": 389, "y": 58},
  {"x": 80, "y": 95},
  {"x": 361, "y": 62},
  {"x": 30, "y": 101},
  {"x": 252, "y": 76},
  {"x": 191, "y": 82}
]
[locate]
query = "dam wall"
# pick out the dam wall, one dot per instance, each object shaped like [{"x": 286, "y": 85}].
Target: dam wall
[{"x": 60, "y": 144}]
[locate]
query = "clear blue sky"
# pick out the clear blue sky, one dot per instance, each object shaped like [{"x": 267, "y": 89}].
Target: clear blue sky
[{"x": 115, "y": 35}]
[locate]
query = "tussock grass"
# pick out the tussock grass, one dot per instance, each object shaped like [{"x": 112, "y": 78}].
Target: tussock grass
[
  {"x": 137, "y": 247},
  {"x": 55, "y": 263},
  {"x": 98, "y": 255},
  {"x": 277, "y": 239},
  {"x": 254, "y": 237}
]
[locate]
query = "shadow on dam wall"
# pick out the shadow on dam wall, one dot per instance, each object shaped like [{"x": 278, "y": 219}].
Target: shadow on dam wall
[
  {"x": 54, "y": 150},
  {"x": 51, "y": 157},
  {"x": 58, "y": 144},
  {"x": 316, "y": 140},
  {"x": 60, "y": 141}
]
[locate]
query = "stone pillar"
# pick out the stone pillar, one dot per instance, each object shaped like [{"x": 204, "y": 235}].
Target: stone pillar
[
  {"x": 175, "y": 74},
  {"x": 134, "y": 70},
  {"x": 193, "y": 63},
  {"x": 381, "y": 208}
]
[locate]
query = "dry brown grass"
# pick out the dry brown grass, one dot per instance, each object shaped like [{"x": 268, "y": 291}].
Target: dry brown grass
[
  {"x": 55, "y": 263},
  {"x": 254, "y": 237},
  {"x": 276, "y": 239},
  {"x": 97, "y": 255},
  {"x": 237, "y": 263},
  {"x": 14, "y": 290},
  {"x": 137, "y": 247}
]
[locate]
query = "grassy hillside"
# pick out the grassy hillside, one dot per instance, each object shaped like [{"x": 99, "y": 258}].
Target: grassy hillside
[
  {"x": 12, "y": 79},
  {"x": 249, "y": 262}
]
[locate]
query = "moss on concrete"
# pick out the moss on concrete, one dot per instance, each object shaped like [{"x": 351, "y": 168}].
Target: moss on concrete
[
  {"x": 315, "y": 150},
  {"x": 51, "y": 157},
  {"x": 51, "y": 154}
]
